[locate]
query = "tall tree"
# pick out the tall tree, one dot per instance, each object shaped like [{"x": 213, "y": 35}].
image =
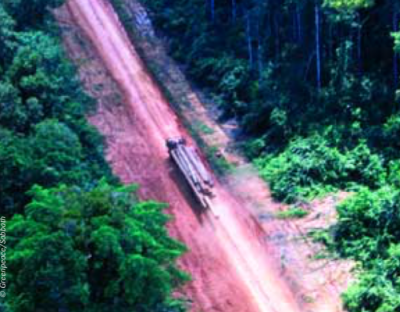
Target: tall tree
[
  {"x": 98, "y": 250},
  {"x": 317, "y": 43}
]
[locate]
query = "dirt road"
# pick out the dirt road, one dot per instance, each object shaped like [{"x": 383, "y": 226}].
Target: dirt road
[{"x": 228, "y": 258}]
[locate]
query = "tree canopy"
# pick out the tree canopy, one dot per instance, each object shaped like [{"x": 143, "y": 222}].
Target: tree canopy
[
  {"x": 76, "y": 239},
  {"x": 313, "y": 85},
  {"x": 96, "y": 250},
  {"x": 44, "y": 135}
]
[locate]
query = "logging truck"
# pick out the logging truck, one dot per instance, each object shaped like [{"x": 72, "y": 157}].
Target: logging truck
[{"x": 192, "y": 168}]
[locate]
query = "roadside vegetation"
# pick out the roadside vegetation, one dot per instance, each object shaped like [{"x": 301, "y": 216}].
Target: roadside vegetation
[
  {"x": 292, "y": 213},
  {"x": 77, "y": 240},
  {"x": 314, "y": 86}
]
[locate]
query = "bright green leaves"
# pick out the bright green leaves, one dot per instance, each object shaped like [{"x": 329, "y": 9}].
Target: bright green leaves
[
  {"x": 47, "y": 272},
  {"x": 396, "y": 37},
  {"x": 373, "y": 292},
  {"x": 310, "y": 167},
  {"x": 45, "y": 208},
  {"x": 105, "y": 241},
  {"x": 367, "y": 231},
  {"x": 348, "y": 4},
  {"x": 87, "y": 251},
  {"x": 364, "y": 215}
]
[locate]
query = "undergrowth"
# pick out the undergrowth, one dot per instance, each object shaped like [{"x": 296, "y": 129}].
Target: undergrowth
[
  {"x": 312, "y": 166},
  {"x": 292, "y": 213}
]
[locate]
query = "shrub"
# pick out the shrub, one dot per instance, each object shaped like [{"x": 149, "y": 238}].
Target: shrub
[
  {"x": 311, "y": 166},
  {"x": 292, "y": 213},
  {"x": 301, "y": 168},
  {"x": 394, "y": 173},
  {"x": 253, "y": 148},
  {"x": 368, "y": 223},
  {"x": 368, "y": 231}
]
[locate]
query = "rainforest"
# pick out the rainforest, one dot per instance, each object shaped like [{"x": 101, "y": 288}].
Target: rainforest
[
  {"x": 98, "y": 214},
  {"x": 314, "y": 86}
]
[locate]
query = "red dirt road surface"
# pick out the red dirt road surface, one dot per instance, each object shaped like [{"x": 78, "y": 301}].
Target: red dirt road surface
[{"x": 227, "y": 257}]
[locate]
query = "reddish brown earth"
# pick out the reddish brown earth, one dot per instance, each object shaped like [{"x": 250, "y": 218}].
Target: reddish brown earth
[{"x": 228, "y": 257}]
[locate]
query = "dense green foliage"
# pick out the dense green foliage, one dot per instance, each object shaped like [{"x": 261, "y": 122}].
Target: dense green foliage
[
  {"x": 44, "y": 136},
  {"x": 368, "y": 231},
  {"x": 292, "y": 213},
  {"x": 311, "y": 166},
  {"x": 314, "y": 85},
  {"x": 76, "y": 239},
  {"x": 97, "y": 250},
  {"x": 290, "y": 69}
]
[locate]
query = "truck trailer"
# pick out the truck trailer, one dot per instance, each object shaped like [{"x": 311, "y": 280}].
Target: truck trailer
[{"x": 192, "y": 168}]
